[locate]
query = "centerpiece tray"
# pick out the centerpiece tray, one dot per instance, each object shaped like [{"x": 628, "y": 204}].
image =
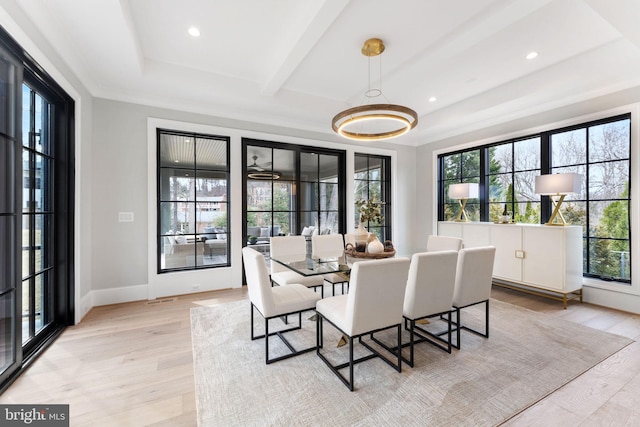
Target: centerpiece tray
[{"x": 389, "y": 251}]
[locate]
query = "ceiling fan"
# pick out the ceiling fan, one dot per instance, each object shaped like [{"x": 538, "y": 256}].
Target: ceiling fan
[
  {"x": 259, "y": 171},
  {"x": 259, "y": 167}
]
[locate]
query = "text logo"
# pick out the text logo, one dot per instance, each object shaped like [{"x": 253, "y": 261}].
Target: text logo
[{"x": 34, "y": 415}]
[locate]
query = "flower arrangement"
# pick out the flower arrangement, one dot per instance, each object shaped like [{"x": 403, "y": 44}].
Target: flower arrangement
[{"x": 370, "y": 211}]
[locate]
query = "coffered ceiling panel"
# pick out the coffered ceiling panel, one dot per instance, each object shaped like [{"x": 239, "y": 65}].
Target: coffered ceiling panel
[{"x": 296, "y": 63}]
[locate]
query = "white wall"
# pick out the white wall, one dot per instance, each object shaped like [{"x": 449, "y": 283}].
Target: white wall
[
  {"x": 123, "y": 253},
  {"x": 599, "y": 292},
  {"x": 12, "y": 19},
  {"x": 111, "y": 176},
  {"x": 112, "y": 258}
]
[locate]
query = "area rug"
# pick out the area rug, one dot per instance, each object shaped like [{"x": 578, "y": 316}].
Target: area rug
[{"x": 528, "y": 356}]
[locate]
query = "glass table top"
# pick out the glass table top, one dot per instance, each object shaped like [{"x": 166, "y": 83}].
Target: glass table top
[{"x": 313, "y": 266}]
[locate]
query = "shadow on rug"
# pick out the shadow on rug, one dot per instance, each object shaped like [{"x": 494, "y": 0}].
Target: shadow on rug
[{"x": 528, "y": 356}]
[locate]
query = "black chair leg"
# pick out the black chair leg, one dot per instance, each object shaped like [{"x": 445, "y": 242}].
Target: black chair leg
[
  {"x": 459, "y": 325},
  {"x": 266, "y": 341},
  {"x": 351, "y": 363}
]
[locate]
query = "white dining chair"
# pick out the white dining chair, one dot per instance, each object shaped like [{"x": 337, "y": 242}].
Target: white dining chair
[
  {"x": 291, "y": 248},
  {"x": 274, "y": 302},
  {"x": 373, "y": 304},
  {"x": 330, "y": 246},
  {"x": 429, "y": 294},
  {"x": 443, "y": 243},
  {"x": 474, "y": 277}
]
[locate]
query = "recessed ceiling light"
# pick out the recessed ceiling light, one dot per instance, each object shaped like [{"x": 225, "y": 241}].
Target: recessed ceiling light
[
  {"x": 433, "y": 99},
  {"x": 194, "y": 32},
  {"x": 532, "y": 55}
]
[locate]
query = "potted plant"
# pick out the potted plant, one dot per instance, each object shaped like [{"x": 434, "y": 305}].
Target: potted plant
[
  {"x": 253, "y": 240},
  {"x": 368, "y": 211}
]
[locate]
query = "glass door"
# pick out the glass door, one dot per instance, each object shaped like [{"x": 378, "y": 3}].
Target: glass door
[
  {"x": 36, "y": 209},
  {"x": 10, "y": 356},
  {"x": 319, "y": 192},
  {"x": 37, "y": 216},
  {"x": 292, "y": 189}
]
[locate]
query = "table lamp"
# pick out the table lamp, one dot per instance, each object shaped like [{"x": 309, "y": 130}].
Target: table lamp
[
  {"x": 462, "y": 192},
  {"x": 557, "y": 186}
]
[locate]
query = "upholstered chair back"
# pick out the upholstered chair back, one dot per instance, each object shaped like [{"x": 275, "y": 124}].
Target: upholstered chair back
[
  {"x": 432, "y": 278},
  {"x": 327, "y": 246},
  {"x": 294, "y": 248},
  {"x": 474, "y": 275},
  {"x": 443, "y": 243},
  {"x": 376, "y": 294},
  {"x": 258, "y": 283}
]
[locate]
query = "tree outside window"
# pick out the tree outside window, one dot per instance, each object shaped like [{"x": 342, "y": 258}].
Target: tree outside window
[{"x": 599, "y": 151}]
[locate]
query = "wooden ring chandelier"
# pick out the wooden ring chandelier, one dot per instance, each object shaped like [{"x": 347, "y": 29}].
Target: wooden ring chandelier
[{"x": 405, "y": 118}]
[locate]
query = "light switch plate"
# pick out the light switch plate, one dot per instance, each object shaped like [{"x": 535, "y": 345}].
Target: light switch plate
[
  {"x": 125, "y": 216},
  {"x": 519, "y": 254}
]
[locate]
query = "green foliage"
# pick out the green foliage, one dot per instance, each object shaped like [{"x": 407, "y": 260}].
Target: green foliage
[
  {"x": 531, "y": 215},
  {"x": 611, "y": 257},
  {"x": 278, "y": 205},
  {"x": 615, "y": 218},
  {"x": 370, "y": 211},
  {"x": 220, "y": 221}
]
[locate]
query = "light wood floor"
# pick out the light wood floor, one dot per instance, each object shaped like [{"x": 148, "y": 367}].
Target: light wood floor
[{"x": 131, "y": 365}]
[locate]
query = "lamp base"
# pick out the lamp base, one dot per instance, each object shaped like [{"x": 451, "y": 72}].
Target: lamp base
[
  {"x": 462, "y": 214},
  {"x": 556, "y": 214}
]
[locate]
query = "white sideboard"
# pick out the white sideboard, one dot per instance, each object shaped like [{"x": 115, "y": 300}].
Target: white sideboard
[{"x": 538, "y": 256}]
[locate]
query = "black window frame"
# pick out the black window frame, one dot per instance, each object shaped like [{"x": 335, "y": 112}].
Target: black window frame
[
  {"x": 195, "y": 170},
  {"x": 546, "y": 166},
  {"x": 588, "y": 238},
  {"x": 384, "y": 232},
  {"x": 60, "y": 297},
  {"x": 297, "y": 150}
]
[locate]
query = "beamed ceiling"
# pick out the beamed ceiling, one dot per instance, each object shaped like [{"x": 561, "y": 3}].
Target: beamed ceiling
[{"x": 296, "y": 63}]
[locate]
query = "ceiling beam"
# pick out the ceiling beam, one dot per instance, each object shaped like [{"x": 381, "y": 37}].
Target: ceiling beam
[
  {"x": 621, "y": 14},
  {"x": 308, "y": 31}
]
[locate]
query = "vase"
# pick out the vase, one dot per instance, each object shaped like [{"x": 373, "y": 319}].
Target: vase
[
  {"x": 360, "y": 235},
  {"x": 375, "y": 246}
]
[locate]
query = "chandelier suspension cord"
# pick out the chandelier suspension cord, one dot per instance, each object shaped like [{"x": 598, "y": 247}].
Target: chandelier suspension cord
[
  {"x": 391, "y": 120},
  {"x": 380, "y": 74}
]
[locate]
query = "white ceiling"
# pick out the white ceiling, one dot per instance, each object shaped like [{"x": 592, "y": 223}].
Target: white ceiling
[{"x": 297, "y": 63}]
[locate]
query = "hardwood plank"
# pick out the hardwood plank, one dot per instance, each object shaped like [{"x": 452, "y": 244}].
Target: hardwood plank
[{"x": 131, "y": 364}]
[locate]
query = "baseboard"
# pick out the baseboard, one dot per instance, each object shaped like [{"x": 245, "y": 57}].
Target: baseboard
[
  {"x": 119, "y": 295},
  {"x": 86, "y": 304},
  {"x": 141, "y": 292},
  {"x": 616, "y": 300}
]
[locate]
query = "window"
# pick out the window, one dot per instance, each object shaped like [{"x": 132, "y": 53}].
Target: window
[
  {"x": 193, "y": 202},
  {"x": 36, "y": 209},
  {"x": 456, "y": 168},
  {"x": 37, "y": 213},
  {"x": 372, "y": 181},
  {"x": 599, "y": 150},
  {"x": 291, "y": 189},
  {"x": 512, "y": 170}
]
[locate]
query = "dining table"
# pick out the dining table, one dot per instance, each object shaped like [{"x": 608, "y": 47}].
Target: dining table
[{"x": 309, "y": 266}]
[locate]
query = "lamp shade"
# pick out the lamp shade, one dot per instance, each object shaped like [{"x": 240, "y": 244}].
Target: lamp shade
[
  {"x": 559, "y": 183},
  {"x": 463, "y": 191}
]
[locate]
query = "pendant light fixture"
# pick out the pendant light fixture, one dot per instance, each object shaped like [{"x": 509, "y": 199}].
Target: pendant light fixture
[{"x": 374, "y": 121}]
